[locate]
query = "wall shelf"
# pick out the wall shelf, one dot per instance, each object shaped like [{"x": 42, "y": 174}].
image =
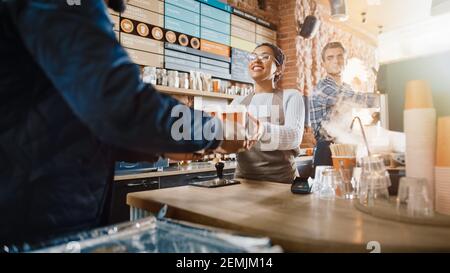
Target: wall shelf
[{"x": 191, "y": 92}]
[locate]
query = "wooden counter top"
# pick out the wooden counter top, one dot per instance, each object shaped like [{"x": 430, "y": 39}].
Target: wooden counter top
[{"x": 298, "y": 223}]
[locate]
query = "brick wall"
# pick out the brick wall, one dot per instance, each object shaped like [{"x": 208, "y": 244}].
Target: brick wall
[
  {"x": 287, "y": 40},
  {"x": 304, "y": 66}
]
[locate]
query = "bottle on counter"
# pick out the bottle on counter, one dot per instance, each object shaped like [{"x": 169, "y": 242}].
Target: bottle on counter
[
  {"x": 184, "y": 80},
  {"x": 224, "y": 87},
  {"x": 199, "y": 81},
  {"x": 173, "y": 79},
  {"x": 164, "y": 78},
  {"x": 159, "y": 76},
  {"x": 207, "y": 82},
  {"x": 149, "y": 75},
  {"x": 216, "y": 85},
  {"x": 192, "y": 80}
]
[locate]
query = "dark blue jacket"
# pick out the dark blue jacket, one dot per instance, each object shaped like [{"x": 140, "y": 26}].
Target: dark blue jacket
[{"x": 71, "y": 100}]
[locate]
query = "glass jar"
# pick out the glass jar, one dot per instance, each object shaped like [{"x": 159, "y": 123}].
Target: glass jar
[
  {"x": 149, "y": 75},
  {"x": 374, "y": 182}
]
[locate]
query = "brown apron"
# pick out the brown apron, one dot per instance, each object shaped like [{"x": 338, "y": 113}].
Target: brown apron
[{"x": 276, "y": 166}]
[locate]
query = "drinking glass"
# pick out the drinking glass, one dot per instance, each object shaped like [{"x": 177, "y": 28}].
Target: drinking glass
[
  {"x": 414, "y": 195},
  {"x": 374, "y": 182},
  {"x": 331, "y": 184}
]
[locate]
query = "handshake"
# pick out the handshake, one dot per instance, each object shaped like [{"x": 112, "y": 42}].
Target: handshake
[{"x": 240, "y": 132}]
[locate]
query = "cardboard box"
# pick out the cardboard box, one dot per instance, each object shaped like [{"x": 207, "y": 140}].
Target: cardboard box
[
  {"x": 143, "y": 15},
  {"x": 243, "y": 23},
  {"x": 145, "y": 58},
  {"x": 242, "y": 44},
  {"x": 243, "y": 34},
  {"x": 141, "y": 43},
  {"x": 215, "y": 25},
  {"x": 266, "y": 32},
  {"x": 215, "y": 13},
  {"x": 182, "y": 14},
  {"x": 153, "y": 5},
  {"x": 182, "y": 27},
  {"x": 215, "y": 36},
  {"x": 214, "y": 48},
  {"x": 190, "y": 5}
]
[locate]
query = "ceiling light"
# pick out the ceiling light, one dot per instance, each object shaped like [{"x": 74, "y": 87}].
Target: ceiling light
[{"x": 338, "y": 10}]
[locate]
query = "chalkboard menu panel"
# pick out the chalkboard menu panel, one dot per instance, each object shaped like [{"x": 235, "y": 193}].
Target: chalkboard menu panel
[
  {"x": 196, "y": 52},
  {"x": 239, "y": 65},
  {"x": 181, "y": 55}
]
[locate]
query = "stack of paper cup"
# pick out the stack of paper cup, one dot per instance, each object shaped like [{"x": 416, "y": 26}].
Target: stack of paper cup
[
  {"x": 420, "y": 131},
  {"x": 442, "y": 177},
  {"x": 418, "y": 95}
]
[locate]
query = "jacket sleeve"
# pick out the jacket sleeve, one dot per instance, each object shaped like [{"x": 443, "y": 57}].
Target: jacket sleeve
[{"x": 76, "y": 48}]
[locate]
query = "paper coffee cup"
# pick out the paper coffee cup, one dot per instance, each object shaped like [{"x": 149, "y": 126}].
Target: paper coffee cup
[
  {"x": 345, "y": 162},
  {"x": 418, "y": 95},
  {"x": 443, "y": 142}
]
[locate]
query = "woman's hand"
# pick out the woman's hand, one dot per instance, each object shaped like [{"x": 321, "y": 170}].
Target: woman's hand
[{"x": 255, "y": 129}]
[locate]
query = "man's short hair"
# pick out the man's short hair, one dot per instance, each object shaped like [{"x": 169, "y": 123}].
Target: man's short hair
[{"x": 332, "y": 45}]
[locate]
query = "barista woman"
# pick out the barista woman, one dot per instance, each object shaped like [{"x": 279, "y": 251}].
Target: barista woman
[{"x": 281, "y": 115}]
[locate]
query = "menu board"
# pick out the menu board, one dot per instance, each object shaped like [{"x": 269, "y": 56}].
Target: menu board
[
  {"x": 239, "y": 65},
  {"x": 204, "y": 35}
]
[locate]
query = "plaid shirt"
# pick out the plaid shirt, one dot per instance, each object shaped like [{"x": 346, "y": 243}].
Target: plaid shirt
[{"x": 326, "y": 95}]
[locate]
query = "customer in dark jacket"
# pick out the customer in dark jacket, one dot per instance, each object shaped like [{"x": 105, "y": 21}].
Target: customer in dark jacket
[{"x": 71, "y": 103}]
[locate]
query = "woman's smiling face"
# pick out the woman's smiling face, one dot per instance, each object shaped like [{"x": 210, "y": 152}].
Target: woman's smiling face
[{"x": 262, "y": 65}]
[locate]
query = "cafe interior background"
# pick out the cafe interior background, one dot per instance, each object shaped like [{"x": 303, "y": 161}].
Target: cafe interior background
[{"x": 391, "y": 44}]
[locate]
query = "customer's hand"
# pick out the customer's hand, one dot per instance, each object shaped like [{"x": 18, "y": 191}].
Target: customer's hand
[{"x": 240, "y": 138}]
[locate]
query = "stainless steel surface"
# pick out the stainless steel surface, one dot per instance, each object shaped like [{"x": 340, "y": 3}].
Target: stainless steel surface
[{"x": 194, "y": 167}]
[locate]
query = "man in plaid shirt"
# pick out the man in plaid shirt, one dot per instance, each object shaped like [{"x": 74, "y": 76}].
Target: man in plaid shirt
[
  {"x": 330, "y": 90},
  {"x": 328, "y": 93}
]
